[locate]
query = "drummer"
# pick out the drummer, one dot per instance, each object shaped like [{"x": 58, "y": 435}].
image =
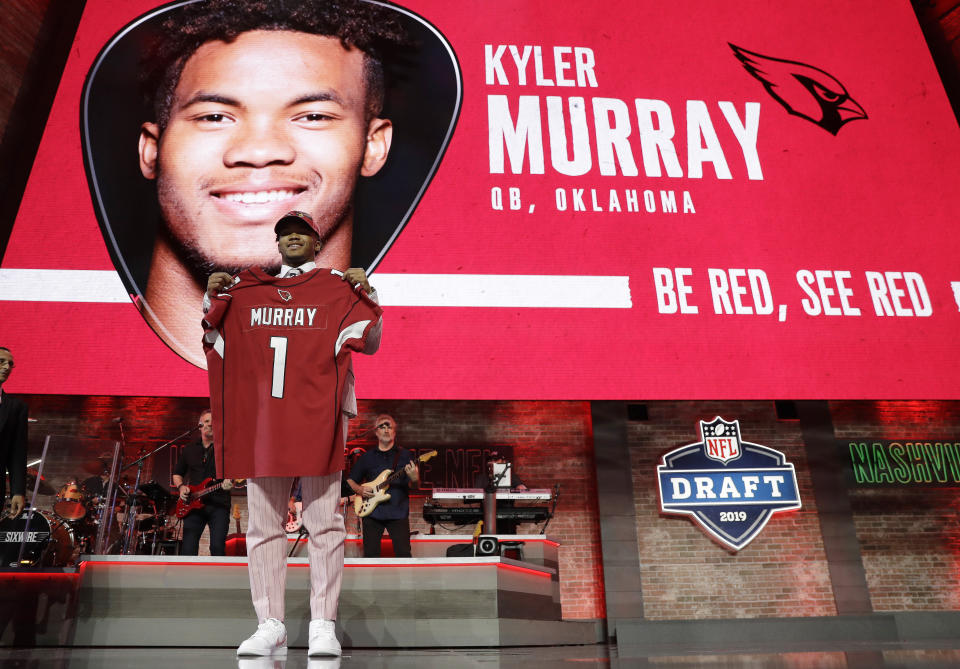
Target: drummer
[
  {"x": 197, "y": 464},
  {"x": 13, "y": 440},
  {"x": 96, "y": 486}
]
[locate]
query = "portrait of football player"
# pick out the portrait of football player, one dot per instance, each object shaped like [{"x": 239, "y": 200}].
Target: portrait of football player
[{"x": 252, "y": 108}]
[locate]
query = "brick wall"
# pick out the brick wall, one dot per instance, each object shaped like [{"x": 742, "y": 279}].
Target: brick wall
[
  {"x": 551, "y": 440},
  {"x": 82, "y": 428},
  {"x": 910, "y": 538},
  {"x": 552, "y": 444},
  {"x": 20, "y": 22},
  {"x": 685, "y": 575},
  {"x": 909, "y": 535},
  {"x": 87, "y": 422}
]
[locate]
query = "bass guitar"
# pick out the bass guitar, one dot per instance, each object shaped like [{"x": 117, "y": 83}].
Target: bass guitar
[
  {"x": 364, "y": 507},
  {"x": 196, "y": 494},
  {"x": 236, "y": 516},
  {"x": 294, "y": 517}
]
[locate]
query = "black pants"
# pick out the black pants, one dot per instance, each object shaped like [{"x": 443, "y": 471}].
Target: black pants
[
  {"x": 218, "y": 518},
  {"x": 399, "y": 534}
]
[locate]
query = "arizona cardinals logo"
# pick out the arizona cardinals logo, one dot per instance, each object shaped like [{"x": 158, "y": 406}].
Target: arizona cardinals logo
[
  {"x": 803, "y": 90},
  {"x": 285, "y": 295}
]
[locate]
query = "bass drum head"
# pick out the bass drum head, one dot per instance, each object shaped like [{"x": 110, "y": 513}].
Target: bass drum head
[
  {"x": 46, "y": 541},
  {"x": 69, "y": 510}
]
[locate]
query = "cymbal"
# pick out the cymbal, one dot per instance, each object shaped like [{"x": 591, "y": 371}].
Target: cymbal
[
  {"x": 97, "y": 466},
  {"x": 44, "y": 489},
  {"x": 155, "y": 491}
]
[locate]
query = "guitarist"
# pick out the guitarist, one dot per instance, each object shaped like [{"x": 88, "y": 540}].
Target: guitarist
[
  {"x": 392, "y": 515},
  {"x": 13, "y": 441},
  {"x": 197, "y": 464}
]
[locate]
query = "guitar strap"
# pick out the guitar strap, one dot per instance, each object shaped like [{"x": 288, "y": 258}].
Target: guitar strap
[{"x": 396, "y": 458}]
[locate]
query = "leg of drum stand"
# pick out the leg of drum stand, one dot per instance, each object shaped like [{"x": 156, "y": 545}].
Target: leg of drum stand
[
  {"x": 128, "y": 526},
  {"x": 178, "y": 534},
  {"x": 159, "y": 532},
  {"x": 303, "y": 533},
  {"x": 132, "y": 510},
  {"x": 108, "y": 511},
  {"x": 153, "y": 529}
]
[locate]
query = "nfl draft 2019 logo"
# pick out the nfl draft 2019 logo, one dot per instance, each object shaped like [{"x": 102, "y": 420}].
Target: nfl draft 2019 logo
[{"x": 729, "y": 487}]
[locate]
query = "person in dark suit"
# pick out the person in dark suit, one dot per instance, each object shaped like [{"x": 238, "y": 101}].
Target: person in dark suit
[{"x": 13, "y": 440}]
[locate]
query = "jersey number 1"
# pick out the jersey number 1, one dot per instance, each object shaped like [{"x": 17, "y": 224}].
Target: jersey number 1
[{"x": 279, "y": 346}]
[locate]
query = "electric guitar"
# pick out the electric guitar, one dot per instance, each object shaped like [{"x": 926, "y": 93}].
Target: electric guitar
[
  {"x": 236, "y": 516},
  {"x": 294, "y": 517},
  {"x": 364, "y": 507},
  {"x": 196, "y": 493}
]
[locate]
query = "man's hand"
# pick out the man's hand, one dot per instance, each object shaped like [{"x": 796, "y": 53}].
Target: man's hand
[
  {"x": 367, "y": 490},
  {"x": 185, "y": 493},
  {"x": 17, "y": 502},
  {"x": 354, "y": 276},
  {"x": 217, "y": 282},
  {"x": 412, "y": 471},
  {"x": 227, "y": 484},
  {"x": 521, "y": 487}
]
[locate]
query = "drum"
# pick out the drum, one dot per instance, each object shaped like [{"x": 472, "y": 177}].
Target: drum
[
  {"x": 100, "y": 512},
  {"x": 46, "y": 542},
  {"x": 69, "y": 504}
]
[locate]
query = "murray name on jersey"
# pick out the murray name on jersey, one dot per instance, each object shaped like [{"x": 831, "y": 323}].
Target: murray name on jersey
[{"x": 268, "y": 316}]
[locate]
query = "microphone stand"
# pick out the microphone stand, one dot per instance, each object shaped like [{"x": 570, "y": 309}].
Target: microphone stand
[
  {"x": 366, "y": 432},
  {"x": 109, "y": 500},
  {"x": 556, "y": 498},
  {"x": 132, "y": 499},
  {"x": 490, "y": 499},
  {"x": 115, "y": 482}
]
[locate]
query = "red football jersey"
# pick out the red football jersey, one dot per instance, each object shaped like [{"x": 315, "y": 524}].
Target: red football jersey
[{"x": 277, "y": 355}]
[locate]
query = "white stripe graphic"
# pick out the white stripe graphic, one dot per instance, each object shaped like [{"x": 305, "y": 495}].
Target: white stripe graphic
[
  {"x": 61, "y": 285},
  {"x": 503, "y": 290},
  {"x": 407, "y": 290},
  {"x": 353, "y": 331}
]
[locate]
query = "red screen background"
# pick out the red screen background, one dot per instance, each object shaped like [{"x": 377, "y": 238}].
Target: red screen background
[{"x": 879, "y": 196}]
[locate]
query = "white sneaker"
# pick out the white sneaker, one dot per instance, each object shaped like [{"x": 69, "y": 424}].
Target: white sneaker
[
  {"x": 323, "y": 640},
  {"x": 269, "y": 639}
]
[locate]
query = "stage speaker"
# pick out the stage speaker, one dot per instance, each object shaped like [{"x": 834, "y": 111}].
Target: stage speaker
[{"x": 487, "y": 545}]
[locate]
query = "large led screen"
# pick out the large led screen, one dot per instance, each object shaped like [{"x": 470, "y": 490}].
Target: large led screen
[{"x": 613, "y": 200}]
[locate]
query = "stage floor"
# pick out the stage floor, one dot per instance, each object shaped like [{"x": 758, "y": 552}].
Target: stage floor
[{"x": 599, "y": 655}]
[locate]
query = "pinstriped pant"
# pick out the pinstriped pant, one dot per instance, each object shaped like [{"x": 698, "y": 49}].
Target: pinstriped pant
[{"x": 267, "y": 499}]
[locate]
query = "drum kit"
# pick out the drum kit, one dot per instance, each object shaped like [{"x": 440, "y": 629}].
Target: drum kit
[{"x": 81, "y": 520}]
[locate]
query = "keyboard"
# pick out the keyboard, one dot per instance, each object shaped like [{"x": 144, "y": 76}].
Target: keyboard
[
  {"x": 463, "y": 515},
  {"x": 532, "y": 495}
]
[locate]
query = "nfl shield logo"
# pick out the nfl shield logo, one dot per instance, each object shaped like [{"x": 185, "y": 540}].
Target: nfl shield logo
[
  {"x": 721, "y": 439},
  {"x": 727, "y": 486}
]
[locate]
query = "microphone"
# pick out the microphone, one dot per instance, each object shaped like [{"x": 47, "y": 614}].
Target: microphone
[{"x": 118, "y": 419}]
